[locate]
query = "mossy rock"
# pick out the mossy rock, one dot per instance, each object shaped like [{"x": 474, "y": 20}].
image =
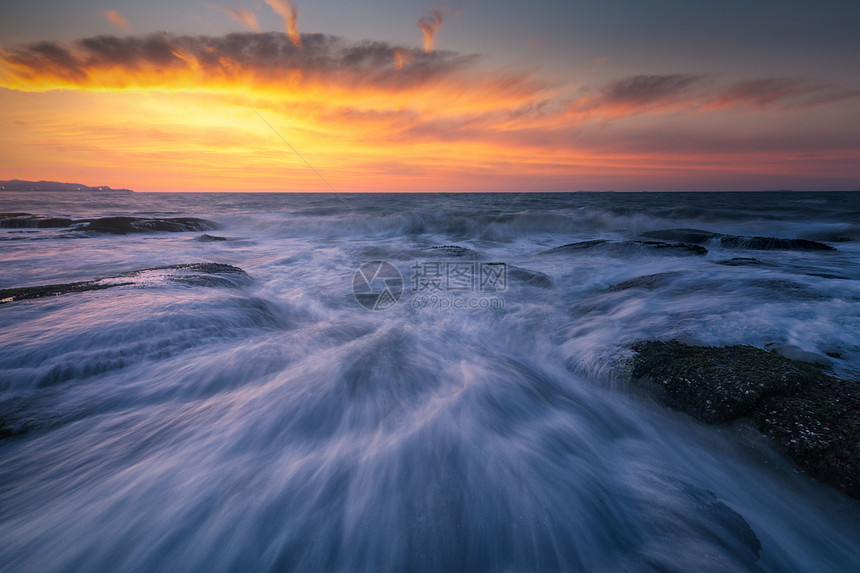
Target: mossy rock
[{"x": 812, "y": 416}]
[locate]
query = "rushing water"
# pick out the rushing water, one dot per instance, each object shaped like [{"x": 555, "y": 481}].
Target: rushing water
[{"x": 273, "y": 423}]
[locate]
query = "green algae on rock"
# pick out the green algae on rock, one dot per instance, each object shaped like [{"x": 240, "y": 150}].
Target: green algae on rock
[{"x": 812, "y": 416}]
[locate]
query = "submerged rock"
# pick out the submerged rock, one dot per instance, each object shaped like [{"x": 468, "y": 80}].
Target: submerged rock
[
  {"x": 42, "y": 291},
  {"x": 743, "y": 262},
  {"x": 646, "y": 281},
  {"x": 811, "y": 416},
  {"x": 204, "y": 238},
  {"x": 625, "y": 247},
  {"x": 772, "y": 244},
  {"x": 201, "y": 274},
  {"x": 452, "y": 251},
  {"x": 531, "y": 278},
  {"x": 127, "y": 225},
  {"x": 28, "y": 221},
  {"x": 112, "y": 225},
  {"x": 580, "y": 246},
  {"x": 698, "y": 236}
]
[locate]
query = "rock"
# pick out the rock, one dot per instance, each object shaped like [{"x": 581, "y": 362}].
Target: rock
[
  {"x": 27, "y": 221},
  {"x": 681, "y": 248},
  {"x": 625, "y": 247},
  {"x": 811, "y": 416},
  {"x": 112, "y": 225},
  {"x": 698, "y": 236},
  {"x": 42, "y": 291},
  {"x": 646, "y": 281},
  {"x": 201, "y": 274},
  {"x": 204, "y": 238},
  {"x": 580, "y": 246},
  {"x": 126, "y": 225},
  {"x": 772, "y": 243},
  {"x": 742, "y": 262},
  {"x": 452, "y": 251}
]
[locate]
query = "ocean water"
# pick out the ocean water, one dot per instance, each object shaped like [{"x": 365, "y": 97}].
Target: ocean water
[{"x": 271, "y": 422}]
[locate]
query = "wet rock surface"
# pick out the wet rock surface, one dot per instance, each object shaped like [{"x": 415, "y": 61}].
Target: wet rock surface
[
  {"x": 698, "y": 237},
  {"x": 811, "y": 416},
  {"x": 196, "y": 274},
  {"x": 626, "y": 247},
  {"x": 110, "y": 225}
]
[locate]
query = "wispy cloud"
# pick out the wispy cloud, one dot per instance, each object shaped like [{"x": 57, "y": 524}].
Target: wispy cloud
[
  {"x": 117, "y": 19},
  {"x": 760, "y": 93},
  {"x": 242, "y": 15},
  {"x": 290, "y": 14},
  {"x": 661, "y": 94},
  {"x": 431, "y": 23}
]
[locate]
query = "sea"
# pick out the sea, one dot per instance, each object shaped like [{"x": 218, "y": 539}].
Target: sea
[{"x": 411, "y": 382}]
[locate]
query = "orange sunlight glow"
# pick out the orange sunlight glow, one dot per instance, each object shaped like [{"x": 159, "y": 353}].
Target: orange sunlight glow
[{"x": 164, "y": 112}]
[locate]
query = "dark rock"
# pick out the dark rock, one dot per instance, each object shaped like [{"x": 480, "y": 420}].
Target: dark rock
[
  {"x": 696, "y": 236},
  {"x": 54, "y": 222},
  {"x": 772, "y": 243},
  {"x": 452, "y": 251},
  {"x": 25, "y": 221},
  {"x": 811, "y": 416},
  {"x": 682, "y": 248},
  {"x": 211, "y": 268},
  {"x": 204, "y": 274},
  {"x": 204, "y": 238},
  {"x": 625, "y": 247},
  {"x": 127, "y": 225},
  {"x": 646, "y": 281},
  {"x": 112, "y": 225},
  {"x": 580, "y": 246},
  {"x": 42, "y": 291},
  {"x": 742, "y": 262}
]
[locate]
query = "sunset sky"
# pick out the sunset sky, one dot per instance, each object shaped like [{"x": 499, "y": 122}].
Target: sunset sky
[{"x": 384, "y": 95}]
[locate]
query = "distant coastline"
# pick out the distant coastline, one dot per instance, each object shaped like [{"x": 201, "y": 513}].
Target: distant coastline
[{"x": 20, "y": 185}]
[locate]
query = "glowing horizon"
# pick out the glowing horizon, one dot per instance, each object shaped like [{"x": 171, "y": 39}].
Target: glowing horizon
[{"x": 174, "y": 112}]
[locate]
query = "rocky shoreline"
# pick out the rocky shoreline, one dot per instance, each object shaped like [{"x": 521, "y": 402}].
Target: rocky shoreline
[{"x": 812, "y": 417}]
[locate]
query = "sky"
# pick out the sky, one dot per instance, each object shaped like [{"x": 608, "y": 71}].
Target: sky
[{"x": 407, "y": 95}]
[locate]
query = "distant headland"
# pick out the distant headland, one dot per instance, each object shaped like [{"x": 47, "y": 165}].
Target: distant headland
[{"x": 19, "y": 185}]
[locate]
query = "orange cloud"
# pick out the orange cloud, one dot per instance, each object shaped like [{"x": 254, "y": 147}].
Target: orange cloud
[
  {"x": 401, "y": 58},
  {"x": 290, "y": 14},
  {"x": 177, "y": 112},
  {"x": 430, "y": 25},
  {"x": 242, "y": 15},
  {"x": 117, "y": 19}
]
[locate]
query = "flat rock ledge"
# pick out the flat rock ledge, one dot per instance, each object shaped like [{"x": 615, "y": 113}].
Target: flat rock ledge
[
  {"x": 196, "y": 274},
  {"x": 811, "y": 416}
]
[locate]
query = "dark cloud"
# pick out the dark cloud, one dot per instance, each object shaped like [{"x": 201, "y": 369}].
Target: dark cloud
[
  {"x": 263, "y": 55},
  {"x": 644, "y": 89}
]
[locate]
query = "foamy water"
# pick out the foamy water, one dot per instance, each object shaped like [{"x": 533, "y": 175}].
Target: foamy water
[{"x": 275, "y": 424}]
